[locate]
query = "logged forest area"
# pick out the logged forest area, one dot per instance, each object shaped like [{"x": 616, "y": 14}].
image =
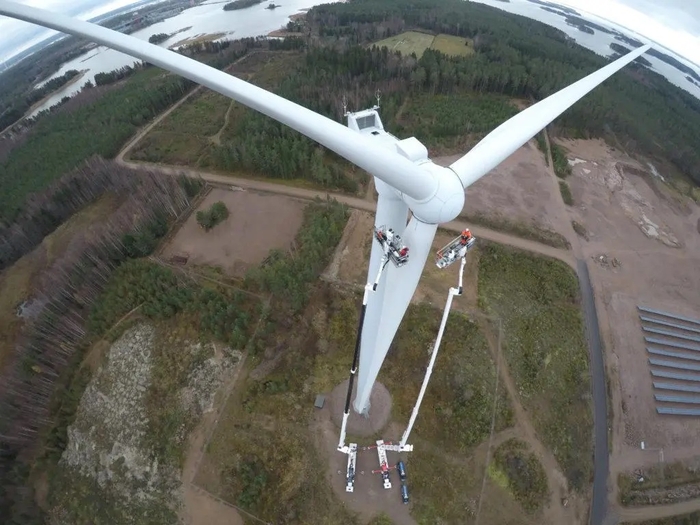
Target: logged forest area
[{"x": 80, "y": 234}]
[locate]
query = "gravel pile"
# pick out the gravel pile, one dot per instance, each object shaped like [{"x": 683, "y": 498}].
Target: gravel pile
[{"x": 105, "y": 442}]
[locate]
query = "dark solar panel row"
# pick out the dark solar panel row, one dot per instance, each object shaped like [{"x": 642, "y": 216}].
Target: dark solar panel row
[
  {"x": 678, "y": 411},
  {"x": 677, "y": 388},
  {"x": 670, "y": 325},
  {"x": 671, "y": 334},
  {"x": 666, "y": 398},
  {"x": 677, "y": 355},
  {"x": 675, "y": 364},
  {"x": 668, "y": 314},
  {"x": 663, "y": 342},
  {"x": 674, "y": 375}
]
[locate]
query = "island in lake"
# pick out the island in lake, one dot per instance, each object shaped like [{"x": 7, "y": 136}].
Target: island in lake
[
  {"x": 241, "y": 4},
  {"x": 622, "y": 50}
]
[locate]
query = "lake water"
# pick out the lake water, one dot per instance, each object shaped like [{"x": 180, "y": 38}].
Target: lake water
[
  {"x": 599, "y": 42},
  {"x": 207, "y": 18},
  {"x": 210, "y": 18}
]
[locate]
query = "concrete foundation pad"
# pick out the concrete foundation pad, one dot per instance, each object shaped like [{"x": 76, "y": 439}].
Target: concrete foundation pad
[{"x": 358, "y": 425}]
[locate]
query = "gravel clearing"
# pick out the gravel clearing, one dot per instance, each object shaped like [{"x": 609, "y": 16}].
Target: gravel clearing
[{"x": 107, "y": 443}]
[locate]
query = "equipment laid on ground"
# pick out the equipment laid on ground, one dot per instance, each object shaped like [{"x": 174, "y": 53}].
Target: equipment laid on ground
[
  {"x": 401, "y": 469},
  {"x": 384, "y": 467}
]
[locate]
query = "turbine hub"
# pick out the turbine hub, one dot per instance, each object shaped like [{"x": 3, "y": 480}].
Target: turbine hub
[{"x": 446, "y": 203}]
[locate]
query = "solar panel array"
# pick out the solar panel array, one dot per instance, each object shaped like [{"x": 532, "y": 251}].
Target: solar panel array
[{"x": 673, "y": 345}]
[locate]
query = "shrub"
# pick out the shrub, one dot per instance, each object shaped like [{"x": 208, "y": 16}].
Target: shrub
[
  {"x": 566, "y": 193},
  {"x": 207, "y": 219}
]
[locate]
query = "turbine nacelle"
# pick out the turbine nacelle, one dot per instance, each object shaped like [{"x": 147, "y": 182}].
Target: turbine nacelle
[{"x": 447, "y": 199}]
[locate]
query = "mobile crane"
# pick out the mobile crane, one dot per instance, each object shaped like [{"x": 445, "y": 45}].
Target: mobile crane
[{"x": 393, "y": 250}]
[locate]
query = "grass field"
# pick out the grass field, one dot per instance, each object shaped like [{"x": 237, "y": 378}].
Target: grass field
[
  {"x": 686, "y": 519},
  {"x": 538, "y": 301},
  {"x": 188, "y": 135},
  {"x": 520, "y": 473},
  {"x": 408, "y": 42},
  {"x": 566, "y": 193},
  {"x": 416, "y": 42},
  {"x": 185, "y": 135},
  {"x": 453, "y": 45}
]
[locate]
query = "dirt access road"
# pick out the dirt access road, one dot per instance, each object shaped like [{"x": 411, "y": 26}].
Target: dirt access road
[{"x": 353, "y": 202}]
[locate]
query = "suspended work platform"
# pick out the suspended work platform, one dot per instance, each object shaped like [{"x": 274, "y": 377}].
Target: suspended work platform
[
  {"x": 391, "y": 243},
  {"x": 455, "y": 250}
]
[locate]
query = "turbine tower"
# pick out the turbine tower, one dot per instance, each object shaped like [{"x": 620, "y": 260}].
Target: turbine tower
[{"x": 405, "y": 178}]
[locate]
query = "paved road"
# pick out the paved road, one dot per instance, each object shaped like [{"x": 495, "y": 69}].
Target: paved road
[{"x": 599, "y": 501}]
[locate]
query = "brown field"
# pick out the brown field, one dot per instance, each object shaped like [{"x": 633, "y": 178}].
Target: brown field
[
  {"x": 257, "y": 223},
  {"x": 651, "y": 230},
  {"x": 519, "y": 189}
]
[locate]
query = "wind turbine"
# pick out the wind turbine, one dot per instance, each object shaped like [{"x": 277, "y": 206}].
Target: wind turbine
[{"x": 405, "y": 178}]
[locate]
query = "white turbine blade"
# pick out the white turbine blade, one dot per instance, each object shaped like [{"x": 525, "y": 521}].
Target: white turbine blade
[
  {"x": 509, "y": 136},
  {"x": 391, "y": 213},
  {"x": 400, "y": 283},
  {"x": 388, "y": 166}
]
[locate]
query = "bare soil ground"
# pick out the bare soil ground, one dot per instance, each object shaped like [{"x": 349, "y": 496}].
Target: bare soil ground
[
  {"x": 520, "y": 188},
  {"x": 651, "y": 230},
  {"x": 202, "y": 509},
  {"x": 256, "y": 224}
]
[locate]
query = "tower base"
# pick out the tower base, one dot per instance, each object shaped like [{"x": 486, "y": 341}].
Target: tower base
[{"x": 359, "y": 425}]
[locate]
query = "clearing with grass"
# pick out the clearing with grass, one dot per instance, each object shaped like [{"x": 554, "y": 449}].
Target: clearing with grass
[
  {"x": 410, "y": 42},
  {"x": 453, "y": 45},
  {"x": 414, "y": 42}
]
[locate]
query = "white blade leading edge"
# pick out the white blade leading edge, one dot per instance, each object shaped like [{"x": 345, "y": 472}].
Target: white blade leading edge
[
  {"x": 387, "y": 166},
  {"x": 509, "y": 136},
  {"x": 399, "y": 283},
  {"x": 391, "y": 212}
]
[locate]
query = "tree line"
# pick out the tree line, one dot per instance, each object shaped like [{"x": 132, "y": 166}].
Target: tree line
[
  {"x": 240, "y": 4},
  {"x": 110, "y": 77},
  {"x": 64, "y": 295},
  {"x": 46, "y": 210}
]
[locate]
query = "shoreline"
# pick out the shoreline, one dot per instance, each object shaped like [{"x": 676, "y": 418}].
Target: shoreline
[{"x": 39, "y": 103}]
